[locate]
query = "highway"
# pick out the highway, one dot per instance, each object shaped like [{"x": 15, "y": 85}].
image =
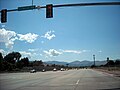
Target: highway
[{"x": 82, "y": 79}]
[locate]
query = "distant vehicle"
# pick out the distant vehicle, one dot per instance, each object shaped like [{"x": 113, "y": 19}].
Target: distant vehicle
[
  {"x": 62, "y": 69},
  {"x": 54, "y": 69},
  {"x": 43, "y": 70},
  {"x": 33, "y": 71}
]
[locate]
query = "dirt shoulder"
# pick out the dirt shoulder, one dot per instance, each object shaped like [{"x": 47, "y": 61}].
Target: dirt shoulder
[{"x": 110, "y": 71}]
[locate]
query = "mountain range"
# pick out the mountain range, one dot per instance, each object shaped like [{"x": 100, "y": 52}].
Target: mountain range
[{"x": 77, "y": 63}]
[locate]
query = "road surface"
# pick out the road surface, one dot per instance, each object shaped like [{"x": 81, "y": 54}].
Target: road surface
[{"x": 83, "y": 79}]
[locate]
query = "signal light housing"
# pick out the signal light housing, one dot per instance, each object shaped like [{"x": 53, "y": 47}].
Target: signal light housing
[
  {"x": 49, "y": 11},
  {"x": 3, "y": 15}
]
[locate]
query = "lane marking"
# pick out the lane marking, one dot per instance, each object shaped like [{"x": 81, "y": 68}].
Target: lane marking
[
  {"x": 33, "y": 84},
  {"x": 77, "y": 81}
]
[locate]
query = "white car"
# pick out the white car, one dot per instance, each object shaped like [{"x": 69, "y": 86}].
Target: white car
[
  {"x": 62, "y": 69},
  {"x": 33, "y": 71},
  {"x": 54, "y": 69},
  {"x": 43, "y": 70}
]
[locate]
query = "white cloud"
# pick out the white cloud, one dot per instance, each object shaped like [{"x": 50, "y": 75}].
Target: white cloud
[
  {"x": 41, "y": 55},
  {"x": 3, "y": 26},
  {"x": 35, "y": 54},
  {"x": 100, "y": 51},
  {"x": 25, "y": 54},
  {"x": 2, "y": 51},
  {"x": 52, "y": 52},
  {"x": 83, "y": 51},
  {"x": 32, "y": 50},
  {"x": 30, "y": 38},
  {"x": 7, "y": 37},
  {"x": 48, "y": 35},
  {"x": 72, "y": 51}
]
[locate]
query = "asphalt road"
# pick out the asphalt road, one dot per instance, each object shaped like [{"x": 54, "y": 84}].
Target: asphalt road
[{"x": 83, "y": 79}]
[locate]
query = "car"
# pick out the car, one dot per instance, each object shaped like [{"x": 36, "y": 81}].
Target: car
[
  {"x": 62, "y": 69},
  {"x": 43, "y": 70},
  {"x": 33, "y": 71},
  {"x": 54, "y": 69}
]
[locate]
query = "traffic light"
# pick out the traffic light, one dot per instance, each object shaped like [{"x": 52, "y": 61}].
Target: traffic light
[
  {"x": 3, "y": 15},
  {"x": 49, "y": 11}
]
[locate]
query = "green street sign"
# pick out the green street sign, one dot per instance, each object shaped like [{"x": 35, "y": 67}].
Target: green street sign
[{"x": 26, "y": 8}]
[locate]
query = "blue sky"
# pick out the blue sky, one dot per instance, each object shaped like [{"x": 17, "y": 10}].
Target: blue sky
[{"x": 74, "y": 33}]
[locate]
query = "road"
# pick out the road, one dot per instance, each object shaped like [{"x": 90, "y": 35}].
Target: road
[{"x": 83, "y": 79}]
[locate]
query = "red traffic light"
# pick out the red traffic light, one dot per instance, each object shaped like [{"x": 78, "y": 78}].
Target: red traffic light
[
  {"x": 49, "y": 11},
  {"x": 3, "y": 15}
]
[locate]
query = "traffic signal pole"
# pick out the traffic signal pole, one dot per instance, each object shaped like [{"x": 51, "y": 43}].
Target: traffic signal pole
[
  {"x": 72, "y": 5},
  {"x": 49, "y": 11}
]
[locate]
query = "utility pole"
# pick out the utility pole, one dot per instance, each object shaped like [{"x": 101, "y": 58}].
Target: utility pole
[
  {"x": 94, "y": 59},
  {"x": 108, "y": 65}
]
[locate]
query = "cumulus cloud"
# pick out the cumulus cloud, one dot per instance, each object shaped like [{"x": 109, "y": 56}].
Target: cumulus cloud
[
  {"x": 72, "y": 51},
  {"x": 2, "y": 51},
  {"x": 83, "y": 51},
  {"x": 32, "y": 50},
  {"x": 8, "y": 37},
  {"x": 49, "y": 35},
  {"x": 30, "y": 38},
  {"x": 41, "y": 55},
  {"x": 25, "y": 54},
  {"x": 52, "y": 52},
  {"x": 3, "y": 26}
]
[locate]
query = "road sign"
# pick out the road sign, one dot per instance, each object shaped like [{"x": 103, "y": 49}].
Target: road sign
[{"x": 26, "y": 8}]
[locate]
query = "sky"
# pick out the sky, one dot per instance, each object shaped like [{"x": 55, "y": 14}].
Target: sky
[{"x": 74, "y": 33}]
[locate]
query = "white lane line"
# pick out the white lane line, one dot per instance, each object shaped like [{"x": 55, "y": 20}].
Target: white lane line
[
  {"x": 33, "y": 84},
  {"x": 77, "y": 81}
]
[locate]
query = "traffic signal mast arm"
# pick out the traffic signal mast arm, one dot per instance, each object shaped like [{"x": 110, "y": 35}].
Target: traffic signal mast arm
[
  {"x": 49, "y": 8},
  {"x": 79, "y": 4}
]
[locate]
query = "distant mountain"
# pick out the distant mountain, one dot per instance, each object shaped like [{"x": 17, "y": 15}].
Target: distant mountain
[
  {"x": 81, "y": 63},
  {"x": 77, "y": 63},
  {"x": 100, "y": 63},
  {"x": 86, "y": 63},
  {"x": 56, "y": 62}
]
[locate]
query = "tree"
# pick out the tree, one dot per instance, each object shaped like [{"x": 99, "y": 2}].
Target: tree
[
  {"x": 37, "y": 63},
  {"x": 10, "y": 60},
  {"x": 25, "y": 61},
  {"x": 110, "y": 63},
  {"x": 117, "y": 62},
  {"x": 1, "y": 57},
  {"x": 12, "y": 57},
  {"x": 1, "y": 62},
  {"x": 31, "y": 63},
  {"x": 53, "y": 65}
]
